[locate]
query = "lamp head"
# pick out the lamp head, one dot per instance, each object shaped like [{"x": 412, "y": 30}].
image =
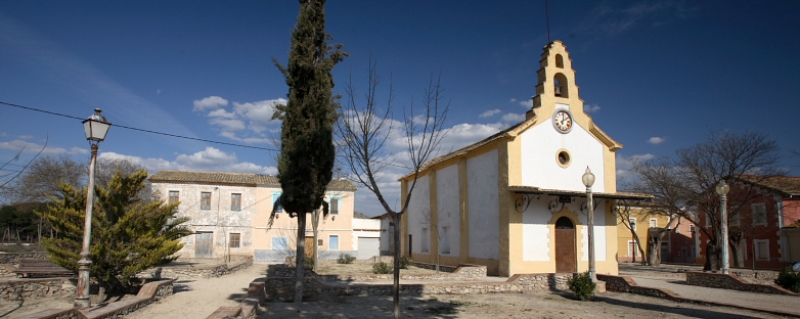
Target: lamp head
[
  {"x": 723, "y": 188},
  {"x": 96, "y": 126},
  {"x": 588, "y": 177}
]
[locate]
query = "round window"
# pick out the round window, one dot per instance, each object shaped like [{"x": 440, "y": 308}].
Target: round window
[{"x": 563, "y": 158}]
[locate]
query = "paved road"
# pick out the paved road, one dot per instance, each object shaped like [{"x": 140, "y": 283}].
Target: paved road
[{"x": 198, "y": 298}]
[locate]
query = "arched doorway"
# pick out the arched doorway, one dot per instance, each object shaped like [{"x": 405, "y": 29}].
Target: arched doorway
[{"x": 566, "y": 259}]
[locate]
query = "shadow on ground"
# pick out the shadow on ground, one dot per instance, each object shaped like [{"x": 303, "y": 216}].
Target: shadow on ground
[
  {"x": 364, "y": 307},
  {"x": 689, "y": 312}
]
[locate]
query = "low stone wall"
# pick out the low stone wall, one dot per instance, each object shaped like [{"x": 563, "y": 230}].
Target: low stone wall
[
  {"x": 211, "y": 271},
  {"x": 730, "y": 281},
  {"x": 282, "y": 288},
  {"x": 13, "y": 258},
  {"x": 463, "y": 272},
  {"x": 248, "y": 308},
  {"x": 7, "y": 271},
  {"x": 626, "y": 284},
  {"x": 22, "y": 289},
  {"x": 433, "y": 267}
]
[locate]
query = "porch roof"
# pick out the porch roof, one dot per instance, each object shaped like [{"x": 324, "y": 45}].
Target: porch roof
[{"x": 618, "y": 195}]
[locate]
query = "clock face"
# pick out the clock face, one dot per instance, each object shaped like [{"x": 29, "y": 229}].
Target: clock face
[{"x": 562, "y": 120}]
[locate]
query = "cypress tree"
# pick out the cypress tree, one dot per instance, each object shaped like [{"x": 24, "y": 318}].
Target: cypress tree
[{"x": 305, "y": 165}]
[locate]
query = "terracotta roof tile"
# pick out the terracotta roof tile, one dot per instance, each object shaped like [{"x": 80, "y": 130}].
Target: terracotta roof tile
[
  {"x": 788, "y": 185},
  {"x": 233, "y": 178}
]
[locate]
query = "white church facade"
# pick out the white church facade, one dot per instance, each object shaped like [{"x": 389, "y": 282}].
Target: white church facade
[{"x": 514, "y": 201}]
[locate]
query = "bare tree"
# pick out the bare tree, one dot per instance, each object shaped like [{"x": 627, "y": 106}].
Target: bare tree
[
  {"x": 43, "y": 177},
  {"x": 362, "y": 133},
  {"x": 687, "y": 182}
]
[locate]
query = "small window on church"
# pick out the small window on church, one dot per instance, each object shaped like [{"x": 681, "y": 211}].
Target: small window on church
[
  {"x": 563, "y": 158},
  {"x": 559, "y": 61},
  {"x": 561, "y": 85}
]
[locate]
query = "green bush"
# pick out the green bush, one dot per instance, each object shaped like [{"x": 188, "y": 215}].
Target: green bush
[
  {"x": 789, "y": 279},
  {"x": 308, "y": 262},
  {"x": 382, "y": 268},
  {"x": 582, "y": 286},
  {"x": 405, "y": 261},
  {"x": 345, "y": 259}
]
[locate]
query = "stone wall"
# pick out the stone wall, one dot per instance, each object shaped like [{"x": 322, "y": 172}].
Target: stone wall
[
  {"x": 23, "y": 289},
  {"x": 212, "y": 271},
  {"x": 282, "y": 288},
  {"x": 13, "y": 258},
  {"x": 7, "y": 271},
  {"x": 463, "y": 272},
  {"x": 731, "y": 281}
]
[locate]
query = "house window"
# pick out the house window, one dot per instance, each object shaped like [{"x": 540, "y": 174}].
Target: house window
[
  {"x": 653, "y": 223},
  {"x": 632, "y": 222},
  {"x": 762, "y": 249},
  {"x": 444, "y": 248},
  {"x": 334, "y": 204},
  {"x": 174, "y": 197},
  {"x": 425, "y": 240},
  {"x": 236, "y": 202},
  {"x": 278, "y": 208},
  {"x": 333, "y": 242},
  {"x": 235, "y": 237},
  {"x": 734, "y": 220},
  {"x": 759, "y": 214},
  {"x": 205, "y": 201},
  {"x": 279, "y": 243}
]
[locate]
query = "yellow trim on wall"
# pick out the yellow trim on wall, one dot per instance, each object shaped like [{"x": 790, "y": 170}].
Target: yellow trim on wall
[{"x": 463, "y": 198}]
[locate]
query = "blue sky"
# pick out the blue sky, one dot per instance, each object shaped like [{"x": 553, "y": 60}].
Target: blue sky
[{"x": 655, "y": 75}]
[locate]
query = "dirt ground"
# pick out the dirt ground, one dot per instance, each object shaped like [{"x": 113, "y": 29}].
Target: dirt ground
[{"x": 198, "y": 298}]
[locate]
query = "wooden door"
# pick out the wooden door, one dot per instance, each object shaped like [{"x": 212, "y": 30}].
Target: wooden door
[
  {"x": 203, "y": 242},
  {"x": 309, "y": 247},
  {"x": 566, "y": 259}
]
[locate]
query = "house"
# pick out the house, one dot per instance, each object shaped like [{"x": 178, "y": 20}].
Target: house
[
  {"x": 684, "y": 243},
  {"x": 643, "y": 218},
  {"x": 774, "y": 203},
  {"x": 387, "y": 234},
  {"x": 367, "y": 236},
  {"x": 514, "y": 201},
  {"x": 230, "y": 213}
]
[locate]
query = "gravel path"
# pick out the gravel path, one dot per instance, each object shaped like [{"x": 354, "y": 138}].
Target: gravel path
[{"x": 198, "y": 298}]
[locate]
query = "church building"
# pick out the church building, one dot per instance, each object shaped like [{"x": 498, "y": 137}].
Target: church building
[{"x": 515, "y": 201}]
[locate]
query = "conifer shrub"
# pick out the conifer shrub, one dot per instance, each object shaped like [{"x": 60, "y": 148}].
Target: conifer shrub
[
  {"x": 405, "y": 261},
  {"x": 382, "y": 268},
  {"x": 308, "y": 263},
  {"x": 789, "y": 279},
  {"x": 582, "y": 286},
  {"x": 345, "y": 259}
]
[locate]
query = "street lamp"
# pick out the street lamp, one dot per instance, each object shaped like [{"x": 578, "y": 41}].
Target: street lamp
[
  {"x": 722, "y": 190},
  {"x": 588, "y": 180},
  {"x": 96, "y": 128}
]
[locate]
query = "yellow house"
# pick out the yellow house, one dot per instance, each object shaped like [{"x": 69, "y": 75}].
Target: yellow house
[
  {"x": 514, "y": 201},
  {"x": 229, "y": 215},
  {"x": 642, "y": 218}
]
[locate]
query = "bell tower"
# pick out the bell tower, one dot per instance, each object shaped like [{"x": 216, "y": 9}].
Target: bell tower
[{"x": 556, "y": 82}]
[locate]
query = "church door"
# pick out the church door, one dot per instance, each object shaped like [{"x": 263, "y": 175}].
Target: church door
[{"x": 566, "y": 260}]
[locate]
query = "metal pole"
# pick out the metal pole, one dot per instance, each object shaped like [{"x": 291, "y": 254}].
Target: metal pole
[
  {"x": 724, "y": 227},
  {"x": 82, "y": 300},
  {"x": 592, "y": 272}
]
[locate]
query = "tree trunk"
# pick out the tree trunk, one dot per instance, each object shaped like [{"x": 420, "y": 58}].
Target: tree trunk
[
  {"x": 315, "y": 226},
  {"x": 736, "y": 251},
  {"x": 396, "y": 286},
  {"x": 654, "y": 249},
  {"x": 301, "y": 255},
  {"x": 712, "y": 257}
]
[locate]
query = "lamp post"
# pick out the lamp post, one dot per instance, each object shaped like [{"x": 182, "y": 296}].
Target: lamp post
[
  {"x": 588, "y": 180},
  {"x": 96, "y": 128},
  {"x": 722, "y": 190}
]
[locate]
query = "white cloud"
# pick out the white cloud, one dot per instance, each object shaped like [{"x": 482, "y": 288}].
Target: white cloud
[
  {"x": 489, "y": 113},
  {"x": 33, "y": 148},
  {"x": 210, "y": 160},
  {"x": 211, "y": 102},
  {"x": 625, "y": 166},
  {"x": 591, "y": 108},
  {"x": 254, "y": 117},
  {"x": 25, "y": 137},
  {"x": 158, "y": 91},
  {"x": 513, "y": 118},
  {"x": 513, "y": 100},
  {"x": 526, "y": 103},
  {"x": 655, "y": 140}
]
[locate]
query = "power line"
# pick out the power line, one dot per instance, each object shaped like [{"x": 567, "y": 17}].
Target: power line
[{"x": 28, "y": 108}]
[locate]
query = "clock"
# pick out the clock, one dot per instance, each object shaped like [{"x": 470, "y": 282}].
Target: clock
[{"x": 562, "y": 121}]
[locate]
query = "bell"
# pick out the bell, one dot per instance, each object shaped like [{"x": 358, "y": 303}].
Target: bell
[{"x": 558, "y": 90}]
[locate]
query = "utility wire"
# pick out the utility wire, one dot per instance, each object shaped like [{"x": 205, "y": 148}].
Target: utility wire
[{"x": 28, "y": 108}]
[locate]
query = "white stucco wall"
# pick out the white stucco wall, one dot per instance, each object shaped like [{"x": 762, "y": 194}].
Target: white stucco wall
[
  {"x": 484, "y": 228},
  {"x": 599, "y": 232},
  {"x": 540, "y": 145},
  {"x": 418, "y": 207},
  {"x": 535, "y": 231},
  {"x": 448, "y": 206}
]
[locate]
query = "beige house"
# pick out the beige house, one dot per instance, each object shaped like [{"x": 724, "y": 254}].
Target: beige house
[
  {"x": 230, "y": 211},
  {"x": 514, "y": 201}
]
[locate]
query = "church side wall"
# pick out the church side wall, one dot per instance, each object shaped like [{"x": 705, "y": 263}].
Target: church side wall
[
  {"x": 448, "y": 210},
  {"x": 418, "y": 207},
  {"x": 482, "y": 174}
]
